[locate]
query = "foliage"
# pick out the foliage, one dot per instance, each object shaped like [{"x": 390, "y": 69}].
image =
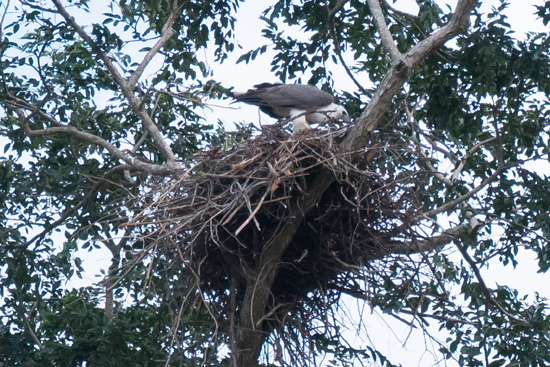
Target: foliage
[{"x": 87, "y": 135}]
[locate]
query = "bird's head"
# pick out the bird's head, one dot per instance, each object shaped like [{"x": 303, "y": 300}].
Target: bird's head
[{"x": 326, "y": 114}]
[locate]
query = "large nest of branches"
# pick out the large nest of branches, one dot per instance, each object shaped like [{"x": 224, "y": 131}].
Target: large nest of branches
[{"x": 219, "y": 216}]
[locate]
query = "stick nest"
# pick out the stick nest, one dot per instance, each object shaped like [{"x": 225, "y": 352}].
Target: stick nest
[{"x": 217, "y": 217}]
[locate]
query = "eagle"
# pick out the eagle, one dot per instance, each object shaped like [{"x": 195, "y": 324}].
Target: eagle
[{"x": 302, "y": 104}]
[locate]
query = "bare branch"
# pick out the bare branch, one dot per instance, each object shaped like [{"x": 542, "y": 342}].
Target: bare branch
[
  {"x": 254, "y": 212},
  {"x": 462, "y": 198},
  {"x": 385, "y": 35},
  {"x": 7, "y": 5},
  {"x": 126, "y": 89},
  {"x": 397, "y": 11},
  {"x": 166, "y": 34},
  {"x": 60, "y": 128},
  {"x": 458, "y": 170},
  {"x": 398, "y": 73}
]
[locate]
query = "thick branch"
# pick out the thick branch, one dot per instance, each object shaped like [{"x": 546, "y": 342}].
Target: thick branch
[
  {"x": 385, "y": 35},
  {"x": 259, "y": 286},
  {"x": 425, "y": 245},
  {"x": 398, "y": 73}
]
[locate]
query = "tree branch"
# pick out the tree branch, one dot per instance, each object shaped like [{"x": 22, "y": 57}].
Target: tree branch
[
  {"x": 339, "y": 5},
  {"x": 259, "y": 284},
  {"x": 458, "y": 170},
  {"x": 402, "y": 13},
  {"x": 385, "y": 35},
  {"x": 462, "y": 198},
  {"x": 133, "y": 162},
  {"x": 119, "y": 80},
  {"x": 484, "y": 288},
  {"x": 125, "y": 88},
  {"x": 166, "y": 34},
  {"x": 7, "y": 5},
  {"x": 397, "y": 74},
  {"x": 428, "y": 244},
  {"x": 338, "y": 51}
]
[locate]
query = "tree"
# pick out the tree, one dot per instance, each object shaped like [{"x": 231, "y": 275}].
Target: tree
[{"x": 231, "y": 240}]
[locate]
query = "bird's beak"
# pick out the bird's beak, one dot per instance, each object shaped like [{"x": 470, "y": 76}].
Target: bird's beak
[{"x": 345, "y": 118}]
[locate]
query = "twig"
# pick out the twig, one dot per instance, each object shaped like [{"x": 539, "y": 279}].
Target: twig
[
  {"x": 460, "y": 167},
  {"x": 7, "y": 5},
  {"x": 166, "y": 33},
  {"x": 484, "y": 287},
  {"x": 337, "y": 49},
  {"x": 253, "y": 214},
  {"x": 397, "y": 11},
  {"x": 466, "y": 196}
]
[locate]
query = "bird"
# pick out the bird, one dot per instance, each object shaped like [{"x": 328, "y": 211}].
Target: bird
[{"x": 302, "y": 104}]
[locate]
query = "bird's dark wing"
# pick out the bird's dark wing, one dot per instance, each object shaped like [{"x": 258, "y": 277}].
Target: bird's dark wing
[
  {"x": 285, "y": 95},
  {"x": 276, "y": 99},
  {"x": 301, "y": 96}
]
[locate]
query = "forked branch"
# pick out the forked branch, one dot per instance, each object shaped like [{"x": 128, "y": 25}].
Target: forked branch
[
  {"x": 398, "y": 73},
  {"x": 127, "y": 87},
  {"x": 382, "y": 27}
]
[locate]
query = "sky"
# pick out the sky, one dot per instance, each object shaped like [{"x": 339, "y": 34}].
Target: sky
[{"x": 404, "y": 344}]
